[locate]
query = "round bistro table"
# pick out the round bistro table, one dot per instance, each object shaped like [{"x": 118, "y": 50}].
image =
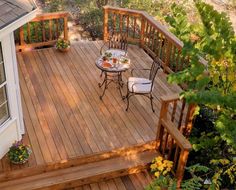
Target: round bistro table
[{"x": 113, "y": 74}]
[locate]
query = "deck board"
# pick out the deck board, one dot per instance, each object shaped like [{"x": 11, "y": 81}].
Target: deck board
[{"x": 64, "y": 117}]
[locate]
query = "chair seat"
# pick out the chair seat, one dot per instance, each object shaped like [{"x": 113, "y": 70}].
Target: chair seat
[{"x": 134, "y": 85}]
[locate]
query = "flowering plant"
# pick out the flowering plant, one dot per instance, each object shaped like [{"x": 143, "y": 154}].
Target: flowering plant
[
  {"x": 62, "y": 44},
  {"x": 161, "y": 166},
  {"x": 19, "y": 153},
  {"x": 161, "y": 169}
]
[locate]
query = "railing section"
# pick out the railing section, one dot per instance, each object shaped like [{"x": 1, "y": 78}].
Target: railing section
[
  {"x": 150, "y": 34},
  {"x": 174, "y": 127},
  {"x": 43, "y": 30}
]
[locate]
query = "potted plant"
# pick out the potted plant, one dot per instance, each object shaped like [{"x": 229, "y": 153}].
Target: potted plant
[
  {"x": 62, "y": 45},
  {"x": 19, "y": 153}
]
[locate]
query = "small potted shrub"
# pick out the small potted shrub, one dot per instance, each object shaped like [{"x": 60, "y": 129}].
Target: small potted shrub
[
  {"x": 19, "y": 153},
  {"x": 62, "y": 45}
]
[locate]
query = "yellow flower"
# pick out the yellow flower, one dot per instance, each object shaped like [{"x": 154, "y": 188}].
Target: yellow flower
[
  {"x": 153, "y": 166},
  {"x": 158, "y": 159},
  {"x": 157, "y": 174},
  {"x": 161, "y": 168}
]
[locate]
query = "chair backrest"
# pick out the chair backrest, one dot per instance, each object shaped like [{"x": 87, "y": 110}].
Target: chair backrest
[
  {"x": 118, "y": 41},
  {"x": 153, "y": 72}
]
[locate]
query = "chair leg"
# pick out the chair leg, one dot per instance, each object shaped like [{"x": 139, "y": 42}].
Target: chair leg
[
  {"x": 151, "y": 99},
  {"x": 127, "y": 97}
]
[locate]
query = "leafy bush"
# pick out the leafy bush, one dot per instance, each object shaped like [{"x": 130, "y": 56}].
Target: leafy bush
[
  {"x": 92, "y": 21},
  {"x": 212, "y": 86}
]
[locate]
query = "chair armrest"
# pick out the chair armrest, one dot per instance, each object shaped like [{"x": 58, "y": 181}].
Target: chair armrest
[{"x": 132, "y": 70}]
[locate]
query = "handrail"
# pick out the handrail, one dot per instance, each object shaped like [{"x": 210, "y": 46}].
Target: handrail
[{"x": 43, "y": 30}]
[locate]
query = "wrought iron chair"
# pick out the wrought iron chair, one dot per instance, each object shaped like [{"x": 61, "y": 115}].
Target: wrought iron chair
[
  {"x": 115, "y": 41},
  {"x": 142, "y": 86}
]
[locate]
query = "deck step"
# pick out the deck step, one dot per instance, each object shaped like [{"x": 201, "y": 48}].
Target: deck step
[
  {"x": 83, "y": 174},
  {"x": 76, "y": 161}
]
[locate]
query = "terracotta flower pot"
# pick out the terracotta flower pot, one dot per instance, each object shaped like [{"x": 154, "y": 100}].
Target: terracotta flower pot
[{"x": 64, "y": 49}]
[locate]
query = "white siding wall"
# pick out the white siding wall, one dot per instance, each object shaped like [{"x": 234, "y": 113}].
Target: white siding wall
[{"x": 7, "y": 137}]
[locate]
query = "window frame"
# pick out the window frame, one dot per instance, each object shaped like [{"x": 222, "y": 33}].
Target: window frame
[
  {"x": 13, "y": 89},
  {"x": 5, "y": 85}
]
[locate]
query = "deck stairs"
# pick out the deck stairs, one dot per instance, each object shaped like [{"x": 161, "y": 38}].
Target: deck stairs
[{"x": 81, "y": 171}]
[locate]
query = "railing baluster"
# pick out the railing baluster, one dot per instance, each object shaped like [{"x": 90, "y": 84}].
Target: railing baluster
[
  {"x": 28, "y": 33},
  {"x": 134, "y": 28},
  {"x": 50, "y": 29},
  {"x": 36, "y": 31},
  {"x": 65, "y": 24},
  {"x": 121, "y": 23},
  {"x": 142, "y": 35},
  {"x": 174, "y": 111},
  {"x": 127, "y": 29},
  {"x": 181, "y": 114},
  {"x": 150, "y": 37},
  {"x": 153, "y": 39},
  {"x": 43, "y": 30},
  {"x": 114, "y": 22}
]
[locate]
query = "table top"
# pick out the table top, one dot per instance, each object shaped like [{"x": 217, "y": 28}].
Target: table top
[{"x": 121, "y": 65}]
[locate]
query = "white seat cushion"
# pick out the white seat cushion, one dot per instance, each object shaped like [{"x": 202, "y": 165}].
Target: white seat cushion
[{"x": 135, "y": 86}]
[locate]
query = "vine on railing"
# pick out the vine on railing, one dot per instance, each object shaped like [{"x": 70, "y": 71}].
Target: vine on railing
[
  {"x": 152, "y": 36},
  {"x": 44, "y": 30}
]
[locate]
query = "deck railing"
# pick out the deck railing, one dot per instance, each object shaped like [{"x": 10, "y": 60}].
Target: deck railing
[
  {"x": 150, "y": 34},
  {"x": 173, "y": 131},
  {"x": 44, "y": 30}
]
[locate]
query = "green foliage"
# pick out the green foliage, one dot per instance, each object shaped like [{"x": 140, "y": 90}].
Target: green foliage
[
  {"x": 195, "y": 182},
  {"x": 215, "y": 40},
  {"x": 92, "y": 21},
  {"x": 162, "y": 182},
  {"x": 212, "y": 85},
  {"x": 55, "y": 5}
]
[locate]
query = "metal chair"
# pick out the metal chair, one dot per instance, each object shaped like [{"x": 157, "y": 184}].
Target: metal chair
[
  {"x": 115, "y": 41},
  {"x": 142, "y": 86}
]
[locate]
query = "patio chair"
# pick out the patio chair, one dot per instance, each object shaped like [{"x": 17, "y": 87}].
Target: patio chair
[
  {"x": 115, "y": 41},
  {"x": 142, "y": 86}
]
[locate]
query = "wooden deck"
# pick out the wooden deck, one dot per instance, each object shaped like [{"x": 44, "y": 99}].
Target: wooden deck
[{"x": 63, "y": 115}]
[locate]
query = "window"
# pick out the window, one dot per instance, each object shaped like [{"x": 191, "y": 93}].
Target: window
[{"x": 4, "y": 110}]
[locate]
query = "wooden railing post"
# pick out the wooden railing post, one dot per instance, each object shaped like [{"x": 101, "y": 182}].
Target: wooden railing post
[
  {"x": 167, "y": 56},
  {"x": 66, "y": 28},
  {"x": 183, "y": 158},
  {"x": 105, "y": 24},
  {"x": 189, "y": 120},
  {"x": 142, "y": 32},
  {"x": 163, "y": 115},
  {"x": 22, "y": 40}
]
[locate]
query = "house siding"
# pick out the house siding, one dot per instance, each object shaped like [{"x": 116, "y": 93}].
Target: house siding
[{"x": 7, "y": 137}]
